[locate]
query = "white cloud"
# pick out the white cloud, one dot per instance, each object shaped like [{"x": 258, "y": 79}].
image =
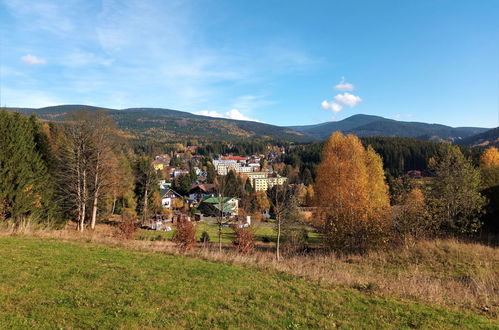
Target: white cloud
[
  {"x": 31, "y": 59},
  {"x": 348, "y": 99},
  {"x": 236, "y": 114},
  {"x": 231, "y": 114},
  {"x": 333, "y": 106},
  {"x": 209, "y": 113},
  {"x": 343, "y": 86}
]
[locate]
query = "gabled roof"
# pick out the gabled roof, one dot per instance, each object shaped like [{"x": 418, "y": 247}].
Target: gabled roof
[
  {"x": 169, "y": 191},
  {"x": 217, "y": 200},
  {"x": 204, "y": 187}
]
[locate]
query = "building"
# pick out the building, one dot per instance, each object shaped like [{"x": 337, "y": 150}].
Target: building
[
  {"x": 212, "y": 206},
  {"x": 200, "y": 191},
  {"x": 168, "y": 196},
  {"x": 262, "y": 182},
  {"x": 158, "y": 165}
]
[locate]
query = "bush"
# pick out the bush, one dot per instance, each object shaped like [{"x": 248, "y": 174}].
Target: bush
[
  {"x": 266, "y": 239},
  {"x": 244, "y": 241},
  {"x": 205, "y": 237},
  {"x": 185, "y": 235},
  {"x": 127, "y": 229}
]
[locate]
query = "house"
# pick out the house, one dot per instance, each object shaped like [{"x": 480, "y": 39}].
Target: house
[
  {"x": 168, "y": 196},
  {"x": 212, "y": 206},
  {"x": 415, "y": 173},
  {"x": 200, "y": 191},
  {"x": 163, "y": 184},
  {"x": 158, "y": 165}
]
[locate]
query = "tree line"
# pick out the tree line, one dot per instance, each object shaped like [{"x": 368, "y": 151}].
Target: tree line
[{"x": 81, "y": 169}]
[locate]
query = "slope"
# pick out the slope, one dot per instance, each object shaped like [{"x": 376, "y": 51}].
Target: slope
[{"x": 51, "y": 284}]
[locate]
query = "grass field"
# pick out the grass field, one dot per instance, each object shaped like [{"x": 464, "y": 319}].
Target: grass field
[
  {"x": 51, "y": 284},
  {"x": 263, "y": 233}
]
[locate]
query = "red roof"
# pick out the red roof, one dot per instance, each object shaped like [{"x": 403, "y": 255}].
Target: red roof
[{"x": 233, "y": 158}]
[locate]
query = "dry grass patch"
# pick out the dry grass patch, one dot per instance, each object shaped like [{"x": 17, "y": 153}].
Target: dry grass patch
[{"x": 449, "y": 273}]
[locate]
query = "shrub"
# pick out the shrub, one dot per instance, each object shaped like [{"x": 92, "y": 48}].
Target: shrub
[
  {"x": 127, "y": 229},
  {"x": 185, "y": 235},
  {"x": 205, "y": 237},
  {"x": 244, "y": 241},
  {"x": 266, "y": 239}
]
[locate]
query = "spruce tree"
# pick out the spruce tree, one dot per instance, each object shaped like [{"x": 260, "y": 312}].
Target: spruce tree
[{"x": 24, "y": 178}]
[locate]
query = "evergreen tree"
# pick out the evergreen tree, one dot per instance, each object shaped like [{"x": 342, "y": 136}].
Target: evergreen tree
[
  {"x": 455, "y": 192},
  {"x": 25, "y": 188}
]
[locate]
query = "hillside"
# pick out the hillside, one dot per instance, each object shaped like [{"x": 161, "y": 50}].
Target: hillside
[
  {"x": 485, "y": 139},
  {"x": 52, "y": 284},
  {"x": 173, "y": 125},
  {"x": 168, "y": 125},
  {"x": 366, "y": 125}
]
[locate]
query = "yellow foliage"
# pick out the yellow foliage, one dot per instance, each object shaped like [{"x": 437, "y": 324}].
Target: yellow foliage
[
  {"x": 262, "y": 201},
  {"x": 351, "y": 194},
  {"x": 490, "y": 158}
]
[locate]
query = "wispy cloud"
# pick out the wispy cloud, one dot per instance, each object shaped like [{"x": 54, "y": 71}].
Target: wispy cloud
[
  {"x": 32, "y": 60},
  {"x": 343, "y": 86},
  {"x": 150, "y": 53},
  {"x": 231, "y": 114}
]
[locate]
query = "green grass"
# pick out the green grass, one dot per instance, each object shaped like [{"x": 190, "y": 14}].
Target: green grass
[
  {"x": 51, "y": 284},
  {"x": 263, "y": 234}
]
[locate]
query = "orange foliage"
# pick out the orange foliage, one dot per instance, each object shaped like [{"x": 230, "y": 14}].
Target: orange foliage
[
  {"x": 351, "y": 195},
  {"x": 490, "y": 158}
]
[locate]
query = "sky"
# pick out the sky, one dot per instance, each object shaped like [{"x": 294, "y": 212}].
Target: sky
[{"x": 284, "y": 62}]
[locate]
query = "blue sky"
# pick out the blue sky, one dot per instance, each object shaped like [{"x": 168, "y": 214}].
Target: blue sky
[{"x": 281, "y": 62}]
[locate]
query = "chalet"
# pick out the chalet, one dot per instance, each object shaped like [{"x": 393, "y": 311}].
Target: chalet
[
  {"x": 200, "y": 191},
  {"x": 212, "y": 206},
  {"x": 168, "y": 196}
]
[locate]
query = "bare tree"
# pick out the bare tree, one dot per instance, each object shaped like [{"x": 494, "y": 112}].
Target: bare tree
[
  {"x": 82, "y": 156},
  {"x": 73, "y": 159},
  {"x": 281, "y": 198},
  {"x": 101, "y": 144}
]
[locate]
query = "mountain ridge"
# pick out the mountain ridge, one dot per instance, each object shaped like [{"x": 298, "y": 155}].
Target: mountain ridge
[{"x": 163, "y": 123}]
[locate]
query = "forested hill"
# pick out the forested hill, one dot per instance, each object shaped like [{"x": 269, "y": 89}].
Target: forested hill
[
  {"x": 485, "y": 139},
  {"x": 171, "y": 125},
  {"x": 366, "y": 125},
  {"x": 166, "y": 125}
]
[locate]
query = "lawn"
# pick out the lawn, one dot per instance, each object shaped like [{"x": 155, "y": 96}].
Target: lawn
[
  {"x": 52, "y": 284},
  {"x": 264, "y": 233}
]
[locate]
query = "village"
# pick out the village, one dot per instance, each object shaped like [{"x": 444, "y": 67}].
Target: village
[{"x": 199, "y": 188}]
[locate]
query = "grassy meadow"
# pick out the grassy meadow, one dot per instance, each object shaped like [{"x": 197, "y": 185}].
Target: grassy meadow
[{"x": 46, "y": 283}]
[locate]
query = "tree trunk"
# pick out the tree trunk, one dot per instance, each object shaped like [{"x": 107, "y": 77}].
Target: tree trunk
[
  {"x": 84, "y": 200},
  {"x": 146, "y": 192},
  {"x": 96, "y": 195},
  {"x": 114, "y": 204},
  {"x": 220, "y": 237},
  {"x": 278, "y": 238}
]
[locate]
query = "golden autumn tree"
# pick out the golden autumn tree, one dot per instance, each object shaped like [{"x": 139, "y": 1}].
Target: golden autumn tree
[
  {"x": 490, "y": 158},
  {"x": 489, "y": 170},
  {"x": 413, "y": 221},
  {"x": 489, "y": 167},
  {"x": 351, "y": 195}
]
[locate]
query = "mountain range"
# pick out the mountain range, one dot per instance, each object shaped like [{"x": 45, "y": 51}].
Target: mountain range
[{"x": 168, "y": 125}]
